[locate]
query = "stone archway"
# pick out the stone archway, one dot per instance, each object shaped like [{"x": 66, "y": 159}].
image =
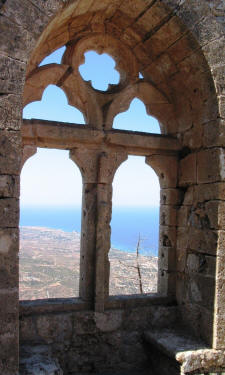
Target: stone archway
[{"x": 177, "y": 47}]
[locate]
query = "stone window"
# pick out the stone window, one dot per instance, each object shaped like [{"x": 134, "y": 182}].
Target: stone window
[
  {"x": 136, "y": 119},
  {"x": 49, "y": 255},
  {"x": 134, "y": 229},
  {"x": 99, "y": 149}
]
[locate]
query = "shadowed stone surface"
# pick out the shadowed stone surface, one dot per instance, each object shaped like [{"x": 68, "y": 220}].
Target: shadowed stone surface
[{"x": 178, "y": 47}]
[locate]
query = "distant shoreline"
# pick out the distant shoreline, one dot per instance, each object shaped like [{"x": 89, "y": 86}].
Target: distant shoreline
[{"x": 47, "y": 229}]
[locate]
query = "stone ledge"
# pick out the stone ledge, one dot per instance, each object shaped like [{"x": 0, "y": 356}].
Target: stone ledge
[
  {"x": 190, "y": 353},
  {"x": 55, "y": 305}
]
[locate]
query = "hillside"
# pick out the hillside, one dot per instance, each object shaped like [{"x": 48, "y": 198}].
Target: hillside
[{"x": 49, "y": 266}]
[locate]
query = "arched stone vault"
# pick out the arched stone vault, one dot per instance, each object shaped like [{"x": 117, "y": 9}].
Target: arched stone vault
[{"x": 178, "y": 46}]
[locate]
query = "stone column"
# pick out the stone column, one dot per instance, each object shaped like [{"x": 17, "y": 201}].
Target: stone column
[
  {"x": 97, "y": 168},
  {"x": 108, "y": 164},
  {"x": 87, "y": 161},
  {"x": 166, "y": 167}
]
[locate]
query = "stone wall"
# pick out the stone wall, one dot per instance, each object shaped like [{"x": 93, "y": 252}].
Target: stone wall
[
  {"x": 178, "y": 46},
  {"x": 84, "y": 341}
]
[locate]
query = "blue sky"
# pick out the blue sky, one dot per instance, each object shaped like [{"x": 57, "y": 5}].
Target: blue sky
[{"x": 51, "y": 178}]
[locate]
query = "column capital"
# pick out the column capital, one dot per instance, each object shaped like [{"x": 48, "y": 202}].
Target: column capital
[
  {"x": 97, "y": 166},
  {"x": 109, "y": 163}
]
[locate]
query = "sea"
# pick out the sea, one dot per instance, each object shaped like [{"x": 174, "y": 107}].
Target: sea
[{"x": 128, "y": 224}]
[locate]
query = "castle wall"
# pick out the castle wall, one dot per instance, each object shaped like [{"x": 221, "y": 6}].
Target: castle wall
[{"x": 189, "y": 69}]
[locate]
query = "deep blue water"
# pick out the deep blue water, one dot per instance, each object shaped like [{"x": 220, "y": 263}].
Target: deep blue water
[{"x": 126, "y": 224}]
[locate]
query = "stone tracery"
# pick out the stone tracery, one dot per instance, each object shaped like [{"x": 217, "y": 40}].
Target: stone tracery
[{"x": 178, "y": 47}]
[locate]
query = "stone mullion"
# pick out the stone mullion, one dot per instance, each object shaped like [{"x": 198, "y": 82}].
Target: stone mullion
[
  {"x": 87, "y": 161},
  {"x": 165, "y": 167},
  {"x": 87, "y": 242},
  {"x": 97, "y": 168},
  {"x": 108, "y": 164},
  {"x": 103, "y": 244}
]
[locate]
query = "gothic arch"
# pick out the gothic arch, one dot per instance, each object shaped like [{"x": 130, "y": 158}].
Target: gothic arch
[{"x": 181, "y": 56}]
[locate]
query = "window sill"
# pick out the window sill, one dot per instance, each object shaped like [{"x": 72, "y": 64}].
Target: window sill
[{"x": 51, "y": 305}]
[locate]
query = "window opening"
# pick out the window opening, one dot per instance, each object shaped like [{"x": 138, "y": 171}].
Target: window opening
[
  {"x": 141, "y": 76},
  {"x": 136, "y": 119},
  {"x": 54, "y": 58},
  {"x": 135, "y": 229},
  {"x": 53, "y": 107},
  {"x": 50, "y": 224},
  {"x": 100, "y": 70}
]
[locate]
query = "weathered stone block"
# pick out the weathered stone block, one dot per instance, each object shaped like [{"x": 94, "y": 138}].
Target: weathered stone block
[
  {"x": 167, "y": 258},
  {"x": 166, "y": 282},
  {"x": 9, "y": 355},
  {"x": 210, "y": 165},
  {"x": 218, "y": 75},
  {"x": 183, "y": 213},
  {"x": 193, "y": 137},
  {"x": 188, "y": 194},
  {"x": 221, "y": 243},
  {"x": 166, "y": 168},
  {"x": 222, "y": 106},
  {"x": 9, "y": 212},
  {"x": 9, "y": 186},
  {"x": 108, "y": 321},
  {"x": 28, "y": 332},
  {"x": 152, "y": 17},
  {"x": 181, "y": 257},
  {"x": 84, "y": 324},
  {"x": 220, "y": 269},
  {"x": 201, "y": 263},
  {"x": 10, "y": 112},
  {"x": 109, "y": 163},
  {"x": 168, "y": 215},
  {"x": 214, "y": 133},
  {"x": 214, "y": 51},
  {"x": 133, "y": 9},
  {"x": 167, "y": 236},
  {"x": 26, "y": 15},
  {"x": 199, "y": 320},
  {"x": 9, "y": 241},
  {"x": 170, "y": 196},
  {"x": 187, "y": 170},
  {"x": 207, "y": 30},
  {"x": 10, "y": 145},
  {"x": 216, "y": 214},
  {"x": 204, "y": 241},
  {"x": 189, "y": 12},
  {"x": 207, "y": 192},
  {"x": 58, "y": 328},
  {"x": 165, "y": 36},
  {"x": 9, "y": 271},
  {"x": 49, "y": 7},
  {"x": 183, "y": 48},
  {"x": 9, "y": 312},
  {"x": 37, "y": 360},
  {"x": 199, "y": 287},
  {"x": 12, "y": 75},
  {"x": 16, "y": 42},
  {"x": 161, "y": 69}
]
